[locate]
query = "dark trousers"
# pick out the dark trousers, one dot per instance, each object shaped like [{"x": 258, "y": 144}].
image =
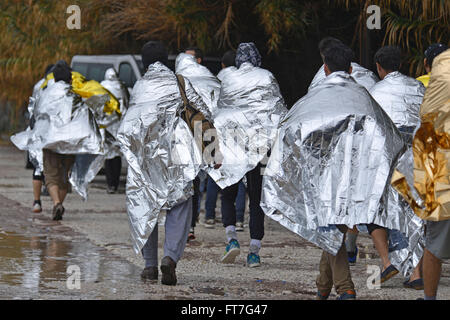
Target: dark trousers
[
  {"x": 195, "y": 202},
  {"x": 112, "y": 171},
  {"x": 212, "y": 191},
  {"x": 254, "y": 187}
]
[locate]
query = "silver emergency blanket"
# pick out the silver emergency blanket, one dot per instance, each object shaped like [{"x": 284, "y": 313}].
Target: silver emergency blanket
[
  {"x": 158, "y": 145},
  {"x": 202, "y": 80},
  {"x": 118, "y": 89},
  {"x": 400, "y": 97},
  {"x": 36, "y": 157},
  {"x": 249, "y": 109},
  {"x": 222, "y": 73},
  {"x": 363, "y": 76},
  {"x": 331, "y": 163},
  {"x": 64, "y": 124}
]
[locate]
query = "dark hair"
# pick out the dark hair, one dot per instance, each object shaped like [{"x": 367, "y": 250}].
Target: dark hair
[
  {"x": 327, "y": 42},
  {"x": 48, "y": 69},
  {"x": 61, "y": 72},
  {"x": 433, "y": 51},
  {"x": 198, "y": 52},
  {"x": 228, "y": 58},
  {"x": 389, "y": 58},
  {"x": 152, "y": 52},
  {"x": 338, "y": 57}
]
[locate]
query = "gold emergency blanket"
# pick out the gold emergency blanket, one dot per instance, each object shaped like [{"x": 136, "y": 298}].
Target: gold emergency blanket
[{"x": 430, "y": 195}]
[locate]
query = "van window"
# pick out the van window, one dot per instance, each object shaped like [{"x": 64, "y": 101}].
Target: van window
[
  {"x": 92, "y": 71},
  {"x": 126, "y": 74}
]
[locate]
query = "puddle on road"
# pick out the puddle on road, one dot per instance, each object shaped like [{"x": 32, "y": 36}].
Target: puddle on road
[{"x": 36, "y": 264}]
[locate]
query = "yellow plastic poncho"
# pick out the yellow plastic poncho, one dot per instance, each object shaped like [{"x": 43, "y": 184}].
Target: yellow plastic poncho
[
  {"x": 431, "y": 147},
  {"x": 87, "y": 89}
]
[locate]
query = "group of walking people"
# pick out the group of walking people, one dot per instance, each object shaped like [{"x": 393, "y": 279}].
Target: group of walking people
[{"x": 359, "y": 152}]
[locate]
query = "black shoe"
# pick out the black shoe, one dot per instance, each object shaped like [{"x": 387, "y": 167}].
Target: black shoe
[
  {"x": 150, "y": 273},
  {"x": 58, "y": 211},
  {"x": 168, "y": 266}
]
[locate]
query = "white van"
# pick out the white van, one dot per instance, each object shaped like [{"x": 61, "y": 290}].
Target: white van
[{"x": 129, "y": 67}]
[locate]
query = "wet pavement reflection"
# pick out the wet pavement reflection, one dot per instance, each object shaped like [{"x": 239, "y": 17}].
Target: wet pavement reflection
[{"x": 36, "y": 253}]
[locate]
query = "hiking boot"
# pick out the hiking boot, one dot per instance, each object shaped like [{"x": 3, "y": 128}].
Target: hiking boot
[
  {"x": 168, "y": 267},
  {"x": 253, "y": 260},
  {"x": 58, "y": 211},
  {"x": 348, "y": 295},
  {"x": 231, "y": 251},
  {"x": 37, "y": 207},
  {"x": 239, "y": 226},
  {"x": 209, "y": 223},
  {"x": 150, "y": 273}
]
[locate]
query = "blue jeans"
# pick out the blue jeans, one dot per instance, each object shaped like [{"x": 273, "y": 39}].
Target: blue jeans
[{"x": 212, "y": 191}]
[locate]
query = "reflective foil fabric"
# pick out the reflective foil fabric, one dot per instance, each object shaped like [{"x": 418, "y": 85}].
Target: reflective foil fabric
[
  {"x": 203, "y": 81},
  {"x": 363, "y": 76},
  {"x": 400, "y": 97},
  {"x": 64, "y": 124},
  {"x": 249, "y": 109},
  {"x": 429, "y": 196},
  {"x": 331, "y": 163},
  {"x": 162, "y": 156}
]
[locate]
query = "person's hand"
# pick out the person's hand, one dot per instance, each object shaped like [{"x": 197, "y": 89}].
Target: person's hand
[{"x": 217, "y": 166}]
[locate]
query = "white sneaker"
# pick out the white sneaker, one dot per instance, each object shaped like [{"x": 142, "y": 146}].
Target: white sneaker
[{"x": 37, "y": 208}]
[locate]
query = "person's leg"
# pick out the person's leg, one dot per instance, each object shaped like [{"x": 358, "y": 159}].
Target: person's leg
[
  {"x": 117, "y": 168},
  {"x": 67, "y": 162},
  {"x": 256, "y": 222},
  {"x": 240, "y": 203},
  {"x": 178, "y": 221},
  {"x": 229, "y": 210},
  {"x": 417, "y": 272},
  {"x": 380, "y": 240},
  {"x": 150, "y": 249},
  {"x": 324, "y": 280},
  {"x": 195, "y": 210},
  {"x": 109, "y": 172},
  {"x": 150, "y": 255},
  {"x": 340, "y": 267},
  {"x": 232, "y": 249},
  {"x": 52, "y": 173},
  {"x": 37, "y": 186},
  {"x": 212, "y": 190},
  {"x": 431, "y": 274}
]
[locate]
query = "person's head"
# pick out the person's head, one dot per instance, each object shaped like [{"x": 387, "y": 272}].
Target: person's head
[
  {"x": 228, "y": 59},
  {"x": 196, "y": 52},
  {"x": 337, "y": 57},
  {"x": 432, "y": 52},
  {"x": 48, "y": 69},
  {"x": 62, "y": 73},
  {"x": 388, "y": 59},
  {"x": 152, "y": 52},
  {"x": 110, "y": 74},
  {"x": 63, "y": 63},
  {"x": 327, "y": 42},
  {"x": 247, "y": 52}
]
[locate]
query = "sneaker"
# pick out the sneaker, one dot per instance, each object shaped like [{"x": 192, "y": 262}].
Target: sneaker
[
  {"x": 321, "y": 296},
  {"x": 352, "y": 256},
  {"x": 348, "y": 295},
  {"x": 388, "y": 273},
  {"x": 239, "y": 226},
  {"x": 37, "y": 207},
  {"x": 253, "y": 260},
  {"x": 45, "y": 192},
  {"x": 191, "y": 235},
  {"x": 209, "y": 223},
  {"x": 168, "y": 266},
  {"x": 110, "y": 190},
  {"x": 231, "y": 251},
  {"x": 150, "y": 273},
  {"x": 58, "y": 211}
]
